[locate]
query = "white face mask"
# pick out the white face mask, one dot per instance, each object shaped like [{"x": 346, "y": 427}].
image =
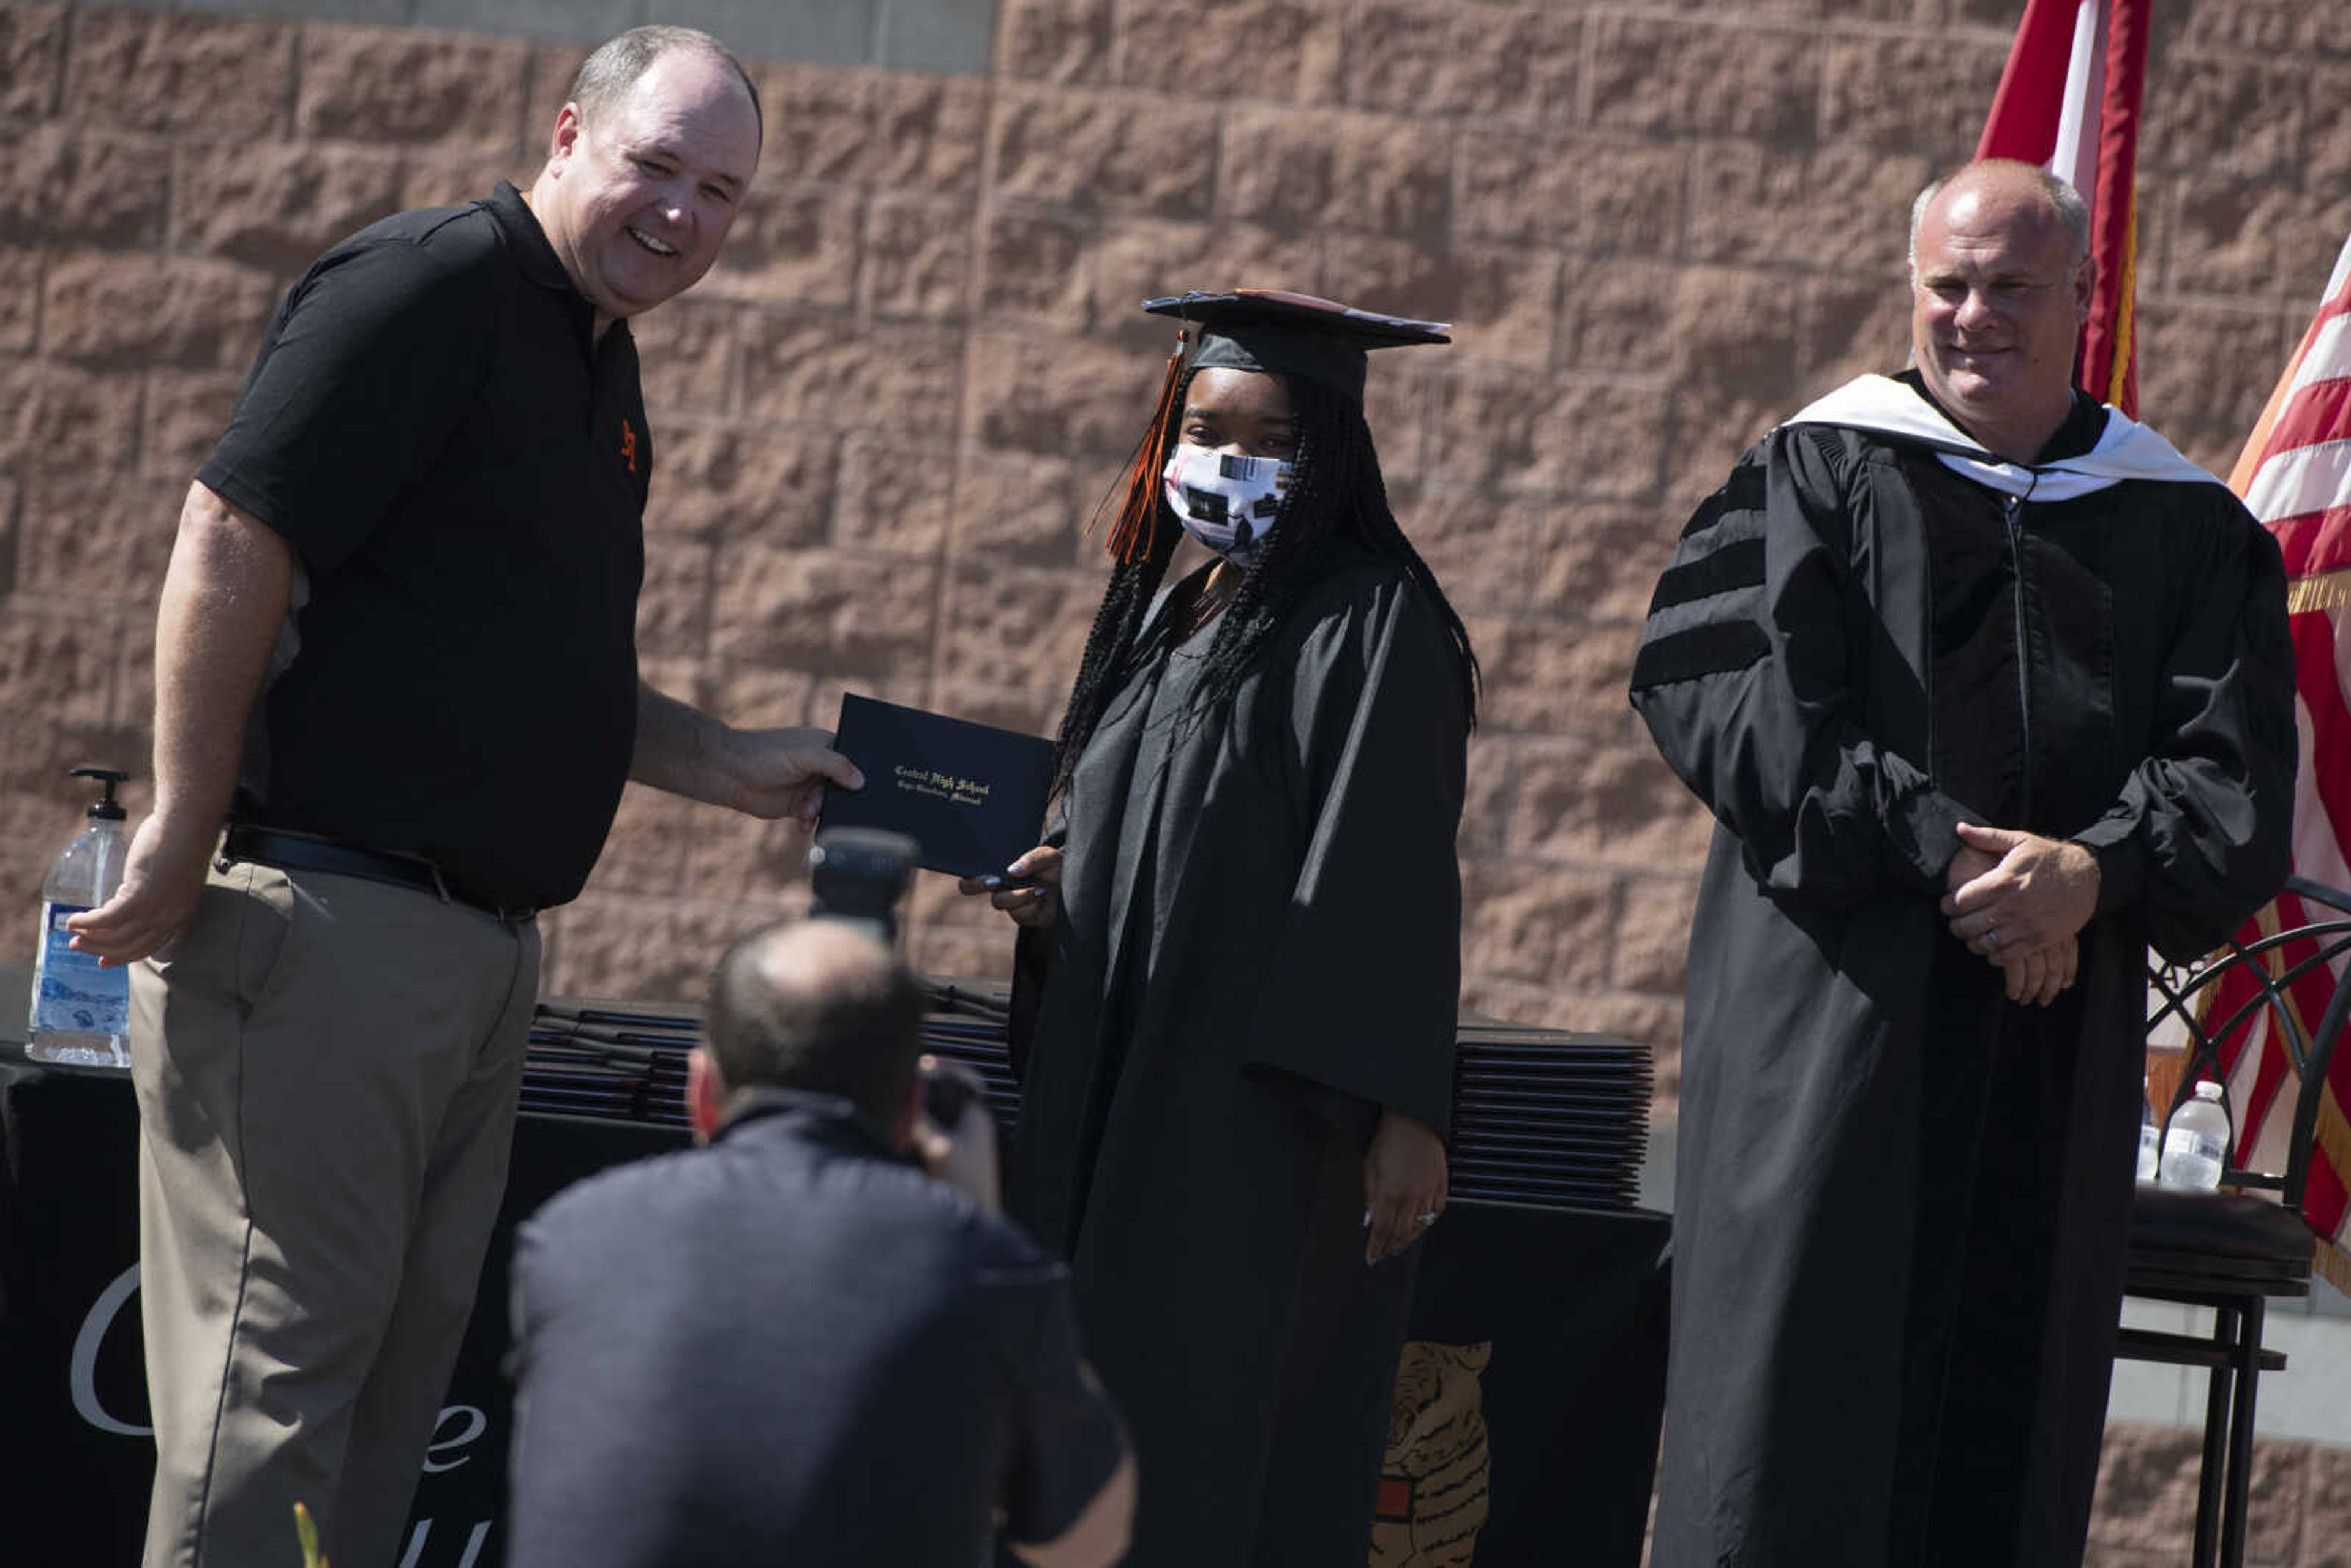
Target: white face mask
[{"x": 1227, "y": 502}]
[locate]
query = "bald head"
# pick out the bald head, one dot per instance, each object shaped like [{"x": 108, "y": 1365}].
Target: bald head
[
  {"x": 2000, "y": 285},
  {"x": 819, "y": 1006}
]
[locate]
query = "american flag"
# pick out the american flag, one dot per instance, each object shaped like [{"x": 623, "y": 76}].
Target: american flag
[
  {"x": 2069, "y": 100},
  {"x": 2295, "y": 476}
]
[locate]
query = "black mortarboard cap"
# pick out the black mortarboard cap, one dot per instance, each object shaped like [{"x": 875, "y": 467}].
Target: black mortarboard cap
[{"x": 1293, "y": 334}]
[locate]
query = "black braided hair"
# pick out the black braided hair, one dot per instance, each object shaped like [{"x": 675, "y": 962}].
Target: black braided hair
[{"x": 1337, "y": 492}]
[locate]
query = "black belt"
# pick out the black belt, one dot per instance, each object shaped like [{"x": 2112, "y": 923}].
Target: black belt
[{"x": 293, "y": 851}]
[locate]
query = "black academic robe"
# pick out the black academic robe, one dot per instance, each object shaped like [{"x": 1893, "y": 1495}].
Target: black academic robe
[
  {"x": 1258, "y": 948},
  {"x": 1900, "y": 1200}
]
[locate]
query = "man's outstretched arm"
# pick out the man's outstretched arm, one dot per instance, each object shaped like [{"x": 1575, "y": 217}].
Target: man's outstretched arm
[{"x": 764, "y": 772}]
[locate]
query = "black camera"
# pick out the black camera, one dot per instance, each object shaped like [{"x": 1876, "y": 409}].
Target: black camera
[{"x": 860, "y": 874}]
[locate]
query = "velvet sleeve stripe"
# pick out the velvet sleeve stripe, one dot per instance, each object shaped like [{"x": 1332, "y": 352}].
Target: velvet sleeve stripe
[
  {"x": 1742, "y": 492},
  {"x": 1708, "y": 650},
  {"x": 1734, "y": 566}
]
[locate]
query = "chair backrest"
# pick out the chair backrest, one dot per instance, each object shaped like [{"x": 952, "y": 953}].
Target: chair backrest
[{"x": 2284, "y": 978}]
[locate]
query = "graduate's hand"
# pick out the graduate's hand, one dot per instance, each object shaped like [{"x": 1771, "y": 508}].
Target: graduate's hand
[
  {"x": 1036, "y": 904},
  {"x": 2040, "y": 893},
  {"x": 1405, "y": 1184},
  {"x": 2037, "y": 977}
]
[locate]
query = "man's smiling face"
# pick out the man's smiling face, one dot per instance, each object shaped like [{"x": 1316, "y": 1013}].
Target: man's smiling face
[
  {"x": 637, "y": 200},
  {"x": 1998, "y": 297}
]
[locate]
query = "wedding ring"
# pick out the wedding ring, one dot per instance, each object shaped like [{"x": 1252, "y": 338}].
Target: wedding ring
[{"x": 1427, "y": 1218}]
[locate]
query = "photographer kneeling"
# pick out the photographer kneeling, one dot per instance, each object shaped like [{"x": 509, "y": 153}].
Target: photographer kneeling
[{"x": 795, "y": 1344}]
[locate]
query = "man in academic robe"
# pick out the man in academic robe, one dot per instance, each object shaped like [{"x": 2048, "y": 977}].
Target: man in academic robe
[{"x": 1989, "y": 689}]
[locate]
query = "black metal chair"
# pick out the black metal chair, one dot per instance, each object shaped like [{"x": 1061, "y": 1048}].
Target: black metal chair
[{"x": 2228, "y": 1251}]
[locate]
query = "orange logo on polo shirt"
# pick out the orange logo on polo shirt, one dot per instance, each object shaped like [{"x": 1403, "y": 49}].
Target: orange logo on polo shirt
[{"x": 629, "y": 443}]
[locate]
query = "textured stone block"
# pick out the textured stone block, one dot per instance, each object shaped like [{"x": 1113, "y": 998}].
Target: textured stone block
[
  {"x": 279, "y": 207},
  {"x": 1135, "y": 259},
  {"x": 439, "y": 176},
  {"x": 389, "y": 84},
  {"x": 2205, "y": 370},
  {"x": 1066, "y": 398},
  {"x": 1847, "y": 327},
  {"x": 645, "y": 850},
  {"x": 106, "y": 311},
  {"x": 1595, "y": 195},
  {"x": 1545, "y": 678},
  {"x": 1427, "y": 57},
  {"x": 1486, "y": 800},
  {"x": 674, "y": 605},
  {"x": 2224, "y": 237},
  {"x": 2223, "y": 117},
  {"x": 928, "y": 131},
  {"x": 790, "y": 245},
  {"x": 202, "y": 78},
  {"x": 96, "y": 536},
  {"x": 32, "y": 60},
  {"x": 1525, "y": 435},
  {"x": 1381, "y": 174},
  {"x": 961, "y": 952},
  {"x": 2146, "y": 1488},
  {"x": 760, "y": 696},
  {"x": 1121, "y": 151},
  {"x": 1397, "y": 405},
  {"x": 1653, "y": 931},
  {"x": 2327, "y": 1539},
  {"x": 1480, "y": 547},
  {"x": 824, "y": 609},
  {"x": 1536, "y": 924},
  {"x": 889, "y": 502},
  {"x": 1028, "y": 710},
  {"x": 55, "y": 419},
  {"x": 1711, "y": 426},
  {"x": 185, "y": 415},
  {"x": 1612, "y": 802},
  {"x": 1924, "y": 93},
  {"x": 1836, "y": 208},
  {"x": 69, "y": 184},
  {"x": 768, "y": 486},
  {"x": 1033, "y": 270},
  {"x": 2285, "y": 28},
  {"x": 1017, "y": 628},
  {"x": 133, "y": 706},
  {"x": 1599, "y": 564},
  {"x": 730, "y": 856},
  {"x": 819, "y": 122},
  {"x": 1053, "y": 40},
  {"x": 550, "y": 73},
  {"x": 20, "y": 298},
  {"x": 1677, "y": 76},
  {"x": 918, "y": 257},
  {"x": 1284, "y": 50},
  {"x": 830, "y": 376},
  {"x": 1504, "y": 303},
  {"x": 646, "y": 948},
  {"x": 57, "y": 662},
  {"x": 688, "y": 359},
  {"x": 1026, "y": 509}
]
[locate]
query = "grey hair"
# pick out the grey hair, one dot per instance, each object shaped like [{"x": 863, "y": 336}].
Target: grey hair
[
  {"x": 606, "y": 76},
  {"x": 2063, "y": 199}
]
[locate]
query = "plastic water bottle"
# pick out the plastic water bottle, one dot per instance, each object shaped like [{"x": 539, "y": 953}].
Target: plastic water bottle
[
  {"x": 2197, "y": 1147},
  {"x": 2151, "y": 1140},
  {"x": 81, "y": 1011}
]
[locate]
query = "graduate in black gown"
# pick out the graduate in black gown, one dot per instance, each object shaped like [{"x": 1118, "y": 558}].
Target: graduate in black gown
[{"x": 1247, "y": 931}]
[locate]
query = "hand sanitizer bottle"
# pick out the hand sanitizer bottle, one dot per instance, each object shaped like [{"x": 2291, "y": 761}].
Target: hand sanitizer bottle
[{"x": 81, "y": 1011}]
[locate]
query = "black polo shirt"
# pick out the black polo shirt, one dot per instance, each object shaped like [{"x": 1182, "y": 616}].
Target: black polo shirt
[
  {"x": 461, "y": 471},
  {"x": 791, "y": 1348}
]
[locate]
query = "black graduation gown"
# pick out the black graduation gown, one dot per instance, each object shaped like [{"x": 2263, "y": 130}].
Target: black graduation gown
[
  {"x": 1259, "y": 946},
  {"x": 1901, "y": 1201}
]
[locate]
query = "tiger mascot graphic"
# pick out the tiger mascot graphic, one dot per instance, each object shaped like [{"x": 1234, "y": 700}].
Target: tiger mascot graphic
[{"x": 1434, "y": 1484}]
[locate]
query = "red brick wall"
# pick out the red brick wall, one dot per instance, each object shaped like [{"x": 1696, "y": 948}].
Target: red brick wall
[{"x": 1659, "y": 225}]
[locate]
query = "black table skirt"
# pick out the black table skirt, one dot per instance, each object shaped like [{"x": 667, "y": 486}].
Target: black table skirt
[{"x": 1565, "y": 1310}]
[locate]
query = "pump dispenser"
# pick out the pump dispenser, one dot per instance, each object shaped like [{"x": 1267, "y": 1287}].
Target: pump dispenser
[{"x": 81, "y": 1011}]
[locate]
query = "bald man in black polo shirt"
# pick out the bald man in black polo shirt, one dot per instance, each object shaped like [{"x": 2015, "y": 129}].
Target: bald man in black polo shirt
[{"x": 395, "y": 658}]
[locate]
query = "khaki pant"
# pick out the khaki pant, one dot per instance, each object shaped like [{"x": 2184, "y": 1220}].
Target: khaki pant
[{"x": 327, "y": 1070}]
